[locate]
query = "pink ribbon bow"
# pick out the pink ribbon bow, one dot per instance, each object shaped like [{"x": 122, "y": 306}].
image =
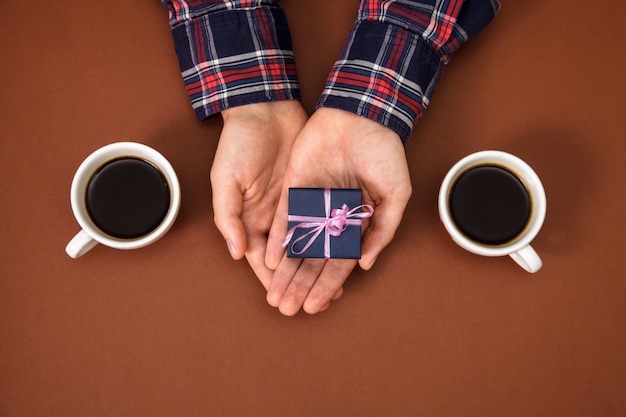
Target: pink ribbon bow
[{"x": 335, "y": 222}]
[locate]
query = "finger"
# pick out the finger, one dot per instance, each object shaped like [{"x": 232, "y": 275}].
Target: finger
[
  {"x": 279, "y": 285},
  {"x": 300, "y": 286},
  {"x": 328, "y": 284},
  {"x": 227, "y": 209},
  {"x": 338, "y": 294},
  {"x": 255, "y": 255},
  {"x": 278, "y": 231},
  {"x": 381, "y": 230},
  {"x": 281, "y": 279},
  {"x": 324, "y": 308}
]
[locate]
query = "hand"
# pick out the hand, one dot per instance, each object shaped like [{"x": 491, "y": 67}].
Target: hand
[
  {"x": 342, "y": 150},
  {"x": 247, "y": 175}
]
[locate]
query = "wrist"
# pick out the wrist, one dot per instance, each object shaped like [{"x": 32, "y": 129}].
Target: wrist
[
  {"x": 347, "y": 124},
  {"x": 269, "y": 110}
]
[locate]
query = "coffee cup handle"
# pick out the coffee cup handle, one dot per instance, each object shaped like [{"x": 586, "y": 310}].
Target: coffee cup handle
[
  {"x": 527, "y": 258},
  {"x": 80, "y": 244}
]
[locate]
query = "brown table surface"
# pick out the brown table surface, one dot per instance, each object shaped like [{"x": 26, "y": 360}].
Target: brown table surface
[{"x": 180, "y": 329}]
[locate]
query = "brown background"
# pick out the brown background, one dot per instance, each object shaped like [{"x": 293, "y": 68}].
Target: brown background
[{"x": 179, "y": 329}]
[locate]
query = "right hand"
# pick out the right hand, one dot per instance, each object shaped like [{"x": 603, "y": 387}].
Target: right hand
[{"x": 338, "y": 149}]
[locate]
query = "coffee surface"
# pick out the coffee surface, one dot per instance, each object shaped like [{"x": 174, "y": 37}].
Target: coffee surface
[
  {"x": 127, "y": 198},
  {"x": 490, "y": 205}
]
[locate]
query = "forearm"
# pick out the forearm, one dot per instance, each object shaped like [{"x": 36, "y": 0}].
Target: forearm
[
  {"x": 233, "y": 53},
  {"x": 395, "y": 54}
]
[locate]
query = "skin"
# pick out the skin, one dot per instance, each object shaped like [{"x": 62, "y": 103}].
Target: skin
[
  {"x": 247, "y": 175},
  {"x": 266, "y": 148},
  {"x": 343, "y": 150}
]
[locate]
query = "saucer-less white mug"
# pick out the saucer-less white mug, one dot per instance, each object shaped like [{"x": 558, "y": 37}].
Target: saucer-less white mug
[
  {"x": 90, "y": 235},
  {"x": 519, "y": 249}
]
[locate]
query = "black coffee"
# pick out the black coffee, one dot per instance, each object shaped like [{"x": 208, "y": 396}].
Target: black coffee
[
  {"x": 127, "y": 198},
  {"x": 490, "y": 205}
]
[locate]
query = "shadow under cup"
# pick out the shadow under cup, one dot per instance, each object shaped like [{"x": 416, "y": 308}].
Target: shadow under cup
[{"x": 493, "y": 204}]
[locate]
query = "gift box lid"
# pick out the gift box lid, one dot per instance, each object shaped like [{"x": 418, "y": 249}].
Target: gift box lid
[{"x": 316, "y": 214}]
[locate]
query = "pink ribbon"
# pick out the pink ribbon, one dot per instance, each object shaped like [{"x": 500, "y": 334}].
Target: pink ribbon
[{"x": 335, "y": 222}]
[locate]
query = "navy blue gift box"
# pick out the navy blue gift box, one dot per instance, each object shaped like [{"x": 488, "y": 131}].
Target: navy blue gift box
[{"x": 325, "y": 223}]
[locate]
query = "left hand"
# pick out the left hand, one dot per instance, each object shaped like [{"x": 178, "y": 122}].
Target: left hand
[
  {"x": 247, "y": 175},
  {"x": 342, "y": 150}
]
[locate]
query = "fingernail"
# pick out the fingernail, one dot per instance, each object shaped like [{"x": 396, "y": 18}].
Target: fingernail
[{"x": 231, "y": 248}]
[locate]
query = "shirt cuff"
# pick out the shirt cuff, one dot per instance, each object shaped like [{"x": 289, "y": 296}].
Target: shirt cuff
[
  {"x": 385, "y": 73},
  {"x": 236, "y": 57}
]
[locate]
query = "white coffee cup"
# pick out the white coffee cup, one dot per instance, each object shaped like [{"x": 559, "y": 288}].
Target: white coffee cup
[
  {"x": 518, "y": 248},
  {"x": 91, "y": 235}
]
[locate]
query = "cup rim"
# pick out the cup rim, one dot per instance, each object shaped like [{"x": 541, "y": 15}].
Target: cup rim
[
  {"x": 525, "y": 173},
  {"x": 98, "y": 158}
]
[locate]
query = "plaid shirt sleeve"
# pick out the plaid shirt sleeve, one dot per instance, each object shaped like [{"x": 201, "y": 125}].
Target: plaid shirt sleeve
[
  {"x": 394, "y": 55},
  {"x": 232, "y": 52}
]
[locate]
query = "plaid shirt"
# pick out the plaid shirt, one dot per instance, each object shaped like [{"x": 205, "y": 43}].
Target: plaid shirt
[{"x": 239, "y": 52}]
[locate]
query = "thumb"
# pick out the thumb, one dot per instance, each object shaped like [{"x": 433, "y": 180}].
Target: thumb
[
  {"x": 380, "y": 232},
  {"x": 227, "y": 209},
  {"x": 275, "y": 250}
]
